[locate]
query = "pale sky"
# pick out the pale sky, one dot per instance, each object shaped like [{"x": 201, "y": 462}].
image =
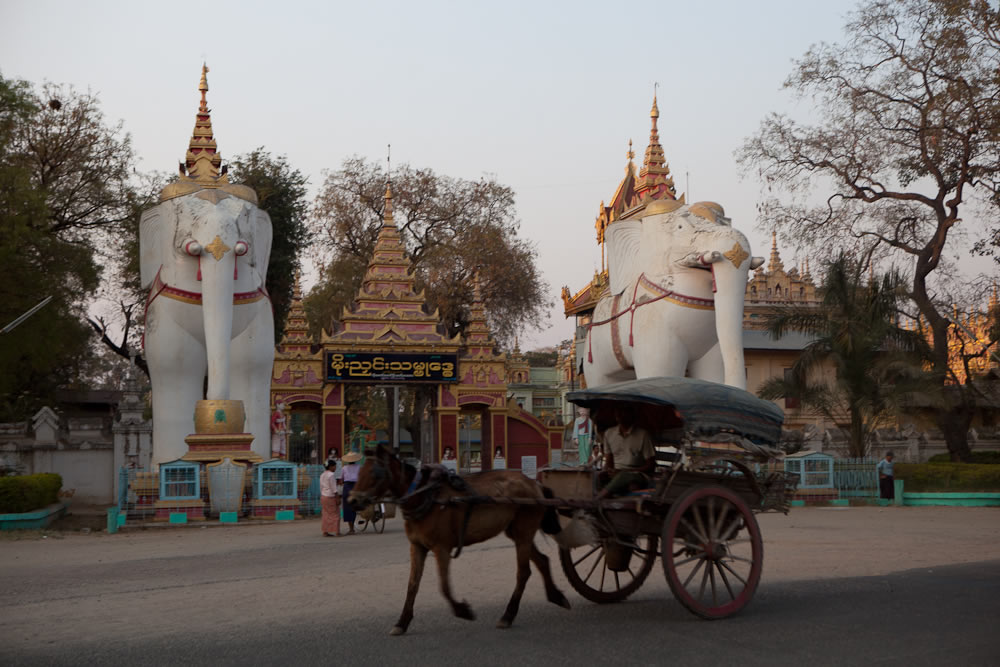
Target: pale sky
[{"x": 545, "y": 95}]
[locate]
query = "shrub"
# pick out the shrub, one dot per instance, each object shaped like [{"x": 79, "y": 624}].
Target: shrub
[
  {"x": 989, "y": 458},
  {"x": 948, "y": 477},
  {"x": 28, "y": 492}
]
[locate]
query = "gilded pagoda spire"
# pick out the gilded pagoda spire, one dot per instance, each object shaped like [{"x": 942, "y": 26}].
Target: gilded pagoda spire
[
  {"x": 654, "y": 180},
  {"x": 775, "y": 263},
  {"x": 202, "y": 166}
]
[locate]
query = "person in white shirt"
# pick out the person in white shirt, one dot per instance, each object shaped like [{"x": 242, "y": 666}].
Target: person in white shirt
[{"x": 329, "y": 498}]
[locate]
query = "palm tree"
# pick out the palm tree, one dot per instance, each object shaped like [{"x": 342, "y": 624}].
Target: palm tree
[{"x": 855, "y": 331}]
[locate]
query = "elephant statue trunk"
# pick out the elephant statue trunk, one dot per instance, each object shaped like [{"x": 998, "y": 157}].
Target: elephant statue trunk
[
  {"x": 218, "y": 287},
  {"x": 730, "y": 286}
]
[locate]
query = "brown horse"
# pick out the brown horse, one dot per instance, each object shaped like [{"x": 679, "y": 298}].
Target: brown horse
[{"x": 434, "y": 525}]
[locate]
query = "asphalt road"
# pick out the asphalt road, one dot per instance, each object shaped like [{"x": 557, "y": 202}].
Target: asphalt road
[{"x": 899, "y": 586}]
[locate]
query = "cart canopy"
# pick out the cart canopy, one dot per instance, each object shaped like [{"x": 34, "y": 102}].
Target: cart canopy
[{"x": 703, "y": 408}]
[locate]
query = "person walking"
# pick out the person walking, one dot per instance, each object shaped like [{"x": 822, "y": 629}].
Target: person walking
[
  {"x": 329, "y": 498},
  {"x": 350, "y": 473},
  {"x": 886, "y": 480}
]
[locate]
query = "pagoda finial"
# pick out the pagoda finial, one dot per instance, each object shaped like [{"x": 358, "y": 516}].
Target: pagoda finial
[
  {"x": 654, "y": 180},
  {"x": 202, "y": 165},
  {"x": 775, "y": 263},
  {"x": 994, "y": 300},
  {"x": 630, "y": 154},
  {"x": 387, "y": 215},
  {"x": 297, "y": 287}
]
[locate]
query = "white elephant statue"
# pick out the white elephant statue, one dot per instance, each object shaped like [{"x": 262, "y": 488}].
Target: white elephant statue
[
  {"x": 204, "y": 261},
  {"x": 677, "y": 276}
]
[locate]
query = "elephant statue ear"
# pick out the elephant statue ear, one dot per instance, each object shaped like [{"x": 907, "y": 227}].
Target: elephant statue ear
[
  {"x": 151, "y": 240},
  {"x": 263, "y": 233},
  {"x": 623, "y": 251}
]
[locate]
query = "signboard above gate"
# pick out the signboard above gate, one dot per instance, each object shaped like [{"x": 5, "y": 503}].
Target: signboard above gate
[{"x": 391, "y": 367}]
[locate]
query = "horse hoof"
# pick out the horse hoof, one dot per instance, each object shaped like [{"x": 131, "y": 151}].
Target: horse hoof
[
  {"x": 396, "y": 631},
  {"x": 503, "y": 624},
  {"x": 564, "y": 603},
  {"x": 463, "y": 610}
]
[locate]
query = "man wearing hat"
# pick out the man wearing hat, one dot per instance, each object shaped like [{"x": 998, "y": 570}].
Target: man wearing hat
[{"x": 350, "y": 470}]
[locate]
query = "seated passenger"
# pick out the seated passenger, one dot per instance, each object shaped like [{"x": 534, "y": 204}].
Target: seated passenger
[{"x": 630, "y": 454}]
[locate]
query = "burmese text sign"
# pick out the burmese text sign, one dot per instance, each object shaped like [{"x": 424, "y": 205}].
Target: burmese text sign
[{"x": 391, "y": 367}]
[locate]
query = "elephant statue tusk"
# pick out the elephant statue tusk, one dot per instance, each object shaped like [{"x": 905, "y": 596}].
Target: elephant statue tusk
[
  {"x": 756, "y": 263},
  {"x": 700, "y": 260}
]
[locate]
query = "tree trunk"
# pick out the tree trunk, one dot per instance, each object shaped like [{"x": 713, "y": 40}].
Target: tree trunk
[{"x": 954, "y": 425}]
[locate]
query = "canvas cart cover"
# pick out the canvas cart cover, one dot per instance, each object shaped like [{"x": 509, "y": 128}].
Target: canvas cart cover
[{"x": 707, "y": 408}]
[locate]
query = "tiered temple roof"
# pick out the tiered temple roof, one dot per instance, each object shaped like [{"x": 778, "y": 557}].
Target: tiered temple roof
[
  {"x": 387, "y": 312},
  {"x": 296, "y": 343}
]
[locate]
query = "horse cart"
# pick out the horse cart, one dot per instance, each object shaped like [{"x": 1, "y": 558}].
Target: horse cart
[{"x": 713, "y": 444}]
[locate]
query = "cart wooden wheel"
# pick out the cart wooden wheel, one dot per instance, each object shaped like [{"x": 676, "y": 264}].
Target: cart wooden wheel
[
  {"x": 712, "y": 551},
  {"x": 606, "y": 571}
]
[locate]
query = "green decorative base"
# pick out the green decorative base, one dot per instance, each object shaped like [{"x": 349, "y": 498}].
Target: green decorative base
[
  {"x": 228, "y": 517},
  {"x": 178, "y": 517}
]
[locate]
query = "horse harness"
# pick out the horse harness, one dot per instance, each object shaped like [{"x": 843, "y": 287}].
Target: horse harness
[{"x": 421, "y": 497}]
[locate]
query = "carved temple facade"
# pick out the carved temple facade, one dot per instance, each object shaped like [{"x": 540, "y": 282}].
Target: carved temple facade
[{"x": 388, "y": 338}]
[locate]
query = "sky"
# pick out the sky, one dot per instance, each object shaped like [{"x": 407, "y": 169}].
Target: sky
[{"x": 543, "y": 95}]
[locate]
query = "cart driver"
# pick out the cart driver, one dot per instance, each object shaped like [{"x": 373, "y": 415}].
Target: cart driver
[{"x": 629, "y": 454}]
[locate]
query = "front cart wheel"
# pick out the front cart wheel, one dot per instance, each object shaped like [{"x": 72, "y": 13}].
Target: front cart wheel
[
  {"x": 607, "y": 571},
  {"x": 712, "y": 551}
]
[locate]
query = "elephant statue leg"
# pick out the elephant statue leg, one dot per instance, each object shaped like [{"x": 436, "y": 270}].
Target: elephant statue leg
[
  {"x": 710, "y": 366},
  {"x": 662, "y": 355},
  {"x": 177, "y": 367},
  {"x": 251, "y": 364}
]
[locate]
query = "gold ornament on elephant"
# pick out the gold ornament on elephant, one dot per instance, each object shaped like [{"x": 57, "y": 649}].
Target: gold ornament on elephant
[
  {"x": 736, "y": 255},
  {"x": 217, "y": 248}
]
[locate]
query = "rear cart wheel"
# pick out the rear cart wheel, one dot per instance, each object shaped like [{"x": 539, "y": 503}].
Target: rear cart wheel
[
  {"x": 607, "y": 571},
  {"x": 712, "y": 551}
]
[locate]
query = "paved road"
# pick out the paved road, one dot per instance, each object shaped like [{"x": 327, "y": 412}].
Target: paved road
[{"x": 899, "y": 586}]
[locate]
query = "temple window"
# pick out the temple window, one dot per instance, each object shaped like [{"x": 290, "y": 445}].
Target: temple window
[
  {"x": 180, "y": 480},
  {"x": 276, "y": 479}
]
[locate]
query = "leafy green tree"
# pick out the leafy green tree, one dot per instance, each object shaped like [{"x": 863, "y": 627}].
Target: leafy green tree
[
  {"x": 64, "y": 183},
  {"x": 876, "y": 363},
  {"x": 281, "y": 191},
  {"x": 451, "y": 228},
  {"x": 907, "y": 134}
]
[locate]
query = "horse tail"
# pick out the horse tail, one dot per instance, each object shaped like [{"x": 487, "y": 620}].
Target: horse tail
[{"x": 550, "y": 520}]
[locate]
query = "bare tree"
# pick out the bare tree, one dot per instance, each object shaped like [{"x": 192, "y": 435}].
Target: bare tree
[{"x": 908, "y": 131}]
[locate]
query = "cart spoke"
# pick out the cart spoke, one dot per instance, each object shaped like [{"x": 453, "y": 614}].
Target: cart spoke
[
  {"x": 722, "y": 573},
  {"x": 711, "y": 577},
  {"x": 732, "y": 529},
  {"x": 604, "y": 572},
  {"x": 701, "y": 561},
  {"x": 694, "y": 531},
  {"x": 741, "y": 558},
  {"x": 687, "y": 560},
  {"x": 585, "y": 556},
  {"x": 710, "y": 510},
  {"x": 593, "y": 567},
  {"x": 704, "y": 580},
  {"x": 733, "y": 572},
  {"x": 701, "y": 524}
]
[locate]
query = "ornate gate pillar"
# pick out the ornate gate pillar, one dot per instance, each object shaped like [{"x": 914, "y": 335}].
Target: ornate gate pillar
[{"x": 333, "y": 419}]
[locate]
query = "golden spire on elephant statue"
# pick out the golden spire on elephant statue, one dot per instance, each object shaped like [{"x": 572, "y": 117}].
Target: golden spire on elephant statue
[{"x": 202, "y": 167}]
